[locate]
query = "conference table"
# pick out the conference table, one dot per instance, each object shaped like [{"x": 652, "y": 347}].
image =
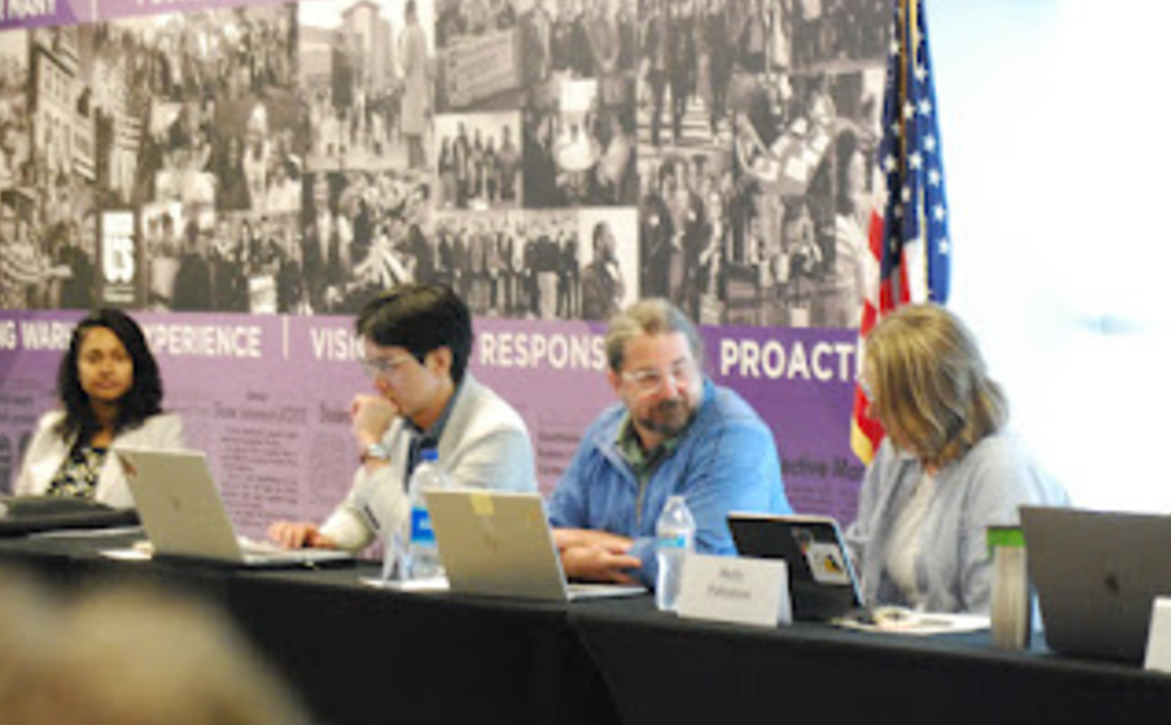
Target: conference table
[{"x": 358, "y": 654}]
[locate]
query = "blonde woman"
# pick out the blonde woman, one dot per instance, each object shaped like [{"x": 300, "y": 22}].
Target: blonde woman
[{"x": 946, "y": 471}]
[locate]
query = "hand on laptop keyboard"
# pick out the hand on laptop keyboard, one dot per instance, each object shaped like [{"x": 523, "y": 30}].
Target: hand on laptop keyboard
[{"x": 252, "y": 546}]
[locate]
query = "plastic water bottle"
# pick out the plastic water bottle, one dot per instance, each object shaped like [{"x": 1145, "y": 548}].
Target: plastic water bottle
[
  {"x": 675, "y": 536},
  {"x": 419, "y": 558}
]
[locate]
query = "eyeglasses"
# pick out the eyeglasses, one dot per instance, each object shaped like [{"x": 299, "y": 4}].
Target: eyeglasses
[
  {"x": 683, "y": 372},
  {"x": 383, "y": 366}
]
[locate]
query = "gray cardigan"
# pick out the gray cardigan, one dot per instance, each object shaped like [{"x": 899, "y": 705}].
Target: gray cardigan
[{"x": 953, "y": 567}]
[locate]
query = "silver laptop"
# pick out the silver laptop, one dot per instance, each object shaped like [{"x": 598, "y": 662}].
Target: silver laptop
[
  {"x": 184, "y": 516},
  {"x": 1097, "y": 575},
  {"x": 496, "y": 543}
]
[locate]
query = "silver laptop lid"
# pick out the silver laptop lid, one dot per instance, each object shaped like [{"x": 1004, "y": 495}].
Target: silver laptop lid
[
  {"x": 497, "y": 543},
  {"x": 179, "y": 504},
  {"x": 1097, "y": 575},
  {"x": 181, "y": 509}
]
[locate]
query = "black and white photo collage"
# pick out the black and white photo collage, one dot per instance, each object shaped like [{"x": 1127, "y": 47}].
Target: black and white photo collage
[{"x": 550, "y": 159}]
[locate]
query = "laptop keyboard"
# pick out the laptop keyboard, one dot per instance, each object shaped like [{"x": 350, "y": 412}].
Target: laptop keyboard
[
  {"x": 582, "y": 590},
  {"x": 252, "y": 546},
  {"x": 259, "y": 552}
]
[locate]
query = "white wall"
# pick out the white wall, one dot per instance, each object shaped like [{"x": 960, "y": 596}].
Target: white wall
[{"x": 1056, "y": 140}]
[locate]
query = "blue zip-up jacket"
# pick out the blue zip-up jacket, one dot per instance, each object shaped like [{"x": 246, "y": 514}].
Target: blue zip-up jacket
[{"x": 725, "y": 461}]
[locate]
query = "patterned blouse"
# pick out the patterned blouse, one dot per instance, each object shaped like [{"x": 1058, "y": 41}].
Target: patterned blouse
[{"x": 78, "y": 476}]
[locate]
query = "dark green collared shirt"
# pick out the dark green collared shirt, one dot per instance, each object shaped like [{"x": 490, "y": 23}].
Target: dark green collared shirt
[{"x": 642, "y": 463}]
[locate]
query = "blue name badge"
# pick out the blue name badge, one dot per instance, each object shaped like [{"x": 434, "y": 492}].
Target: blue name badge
[{"x": 671, "y": 542}]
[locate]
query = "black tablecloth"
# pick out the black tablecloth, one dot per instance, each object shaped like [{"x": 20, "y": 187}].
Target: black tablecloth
[
  {"x": 23, "y": 515},
  {"x": 660, "y": 670},
  {"x": 357, "y": 654}
]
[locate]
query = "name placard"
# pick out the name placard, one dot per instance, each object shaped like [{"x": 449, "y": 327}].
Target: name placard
[
  {"x": 729, "y": 589},
  {"x": 1159, "y": 638}
]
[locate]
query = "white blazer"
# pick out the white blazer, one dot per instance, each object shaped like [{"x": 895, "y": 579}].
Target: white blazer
[
  {"x": 485, "y": 444},
  {"x": 48, "y": 451}
]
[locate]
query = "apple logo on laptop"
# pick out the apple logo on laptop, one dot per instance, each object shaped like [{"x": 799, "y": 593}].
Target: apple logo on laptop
[{"x": 1112, "y": 584}]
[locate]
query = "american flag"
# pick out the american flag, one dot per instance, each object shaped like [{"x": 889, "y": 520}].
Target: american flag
[{"x": 909, "y": 241}]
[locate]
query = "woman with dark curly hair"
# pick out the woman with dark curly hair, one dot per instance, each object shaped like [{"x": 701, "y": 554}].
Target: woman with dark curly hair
[{"x": 111, "y": 395}]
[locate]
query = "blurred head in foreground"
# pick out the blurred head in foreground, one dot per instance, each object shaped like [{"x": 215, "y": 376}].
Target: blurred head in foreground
[{"x": 122, "y": 656}]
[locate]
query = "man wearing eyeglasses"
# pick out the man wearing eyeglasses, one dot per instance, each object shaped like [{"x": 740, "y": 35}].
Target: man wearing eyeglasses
[
  {"x": 675, "y": 432},
  {"x": 416, "y": 341}
]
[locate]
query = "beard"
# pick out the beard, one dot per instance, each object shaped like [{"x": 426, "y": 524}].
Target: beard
[{"x": 668, "y": 418}]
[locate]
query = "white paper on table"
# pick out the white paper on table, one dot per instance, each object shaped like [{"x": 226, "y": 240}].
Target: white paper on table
[
  {"x": 431, "y": 584},
  {"x": 900, "y": 620}
]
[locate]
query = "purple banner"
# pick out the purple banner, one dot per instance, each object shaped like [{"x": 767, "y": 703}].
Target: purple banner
[
  {"x": 44, "y": 13},
  {"x": 268, "y": 398},
  {"x": 801, "y": 381},
  {"x": 30, "y": 349}
]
